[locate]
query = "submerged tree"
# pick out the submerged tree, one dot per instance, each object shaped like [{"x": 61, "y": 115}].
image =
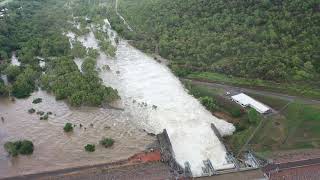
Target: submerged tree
[{"x": 24, "y": 147}]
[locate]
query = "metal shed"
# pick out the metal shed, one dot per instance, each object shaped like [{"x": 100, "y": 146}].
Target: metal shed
[{"x": 246, "y": 101}]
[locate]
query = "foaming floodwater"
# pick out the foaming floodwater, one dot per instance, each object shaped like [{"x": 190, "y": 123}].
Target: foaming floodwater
[
  {"x": 55, "y": 149},
  {"x": 14, "y": 60},
  {"x": 78, "y": 62},
  {"x": 89, "y": 41},
  {"x": 157, "y": 100}
]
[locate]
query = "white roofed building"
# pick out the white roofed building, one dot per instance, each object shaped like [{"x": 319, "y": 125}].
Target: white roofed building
[{"x": 247, "y": 101}]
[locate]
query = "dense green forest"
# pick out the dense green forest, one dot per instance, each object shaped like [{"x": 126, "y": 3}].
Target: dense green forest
[
  {"x": 268, "y": 39},
  {"x": 35, "y": 30}
]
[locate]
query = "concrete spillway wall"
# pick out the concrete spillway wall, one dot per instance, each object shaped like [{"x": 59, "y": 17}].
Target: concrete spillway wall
[
  {"x": 216, "y": 131},
  {"x": 167, "y": 156}
]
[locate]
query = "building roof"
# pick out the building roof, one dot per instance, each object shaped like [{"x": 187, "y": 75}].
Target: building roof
[{"x": 248, "y": 101}]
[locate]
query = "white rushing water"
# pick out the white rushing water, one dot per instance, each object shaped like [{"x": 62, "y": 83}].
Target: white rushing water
[
  {"x": 4, "y": 78},
  {"x": 83, "y": 40},
  {"x": 14, "y": 60},
  {"x": 187, "y": 122},
  {"x": 78, "y": 62},
  {"x": 156, "y": 100},
  {"x": 122, "y": 18}
]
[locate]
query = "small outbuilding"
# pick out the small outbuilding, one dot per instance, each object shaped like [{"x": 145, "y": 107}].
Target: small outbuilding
[{"x": 247, "y": 101}]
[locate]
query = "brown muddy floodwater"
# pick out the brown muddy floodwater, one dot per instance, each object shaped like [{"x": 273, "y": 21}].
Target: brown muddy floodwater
[{"x": 55, "y": 149}]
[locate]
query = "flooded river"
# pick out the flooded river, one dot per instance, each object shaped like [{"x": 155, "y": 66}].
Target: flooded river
[
  {"x": 152, "y": 98},
  {"x": 55, "y": 149}
]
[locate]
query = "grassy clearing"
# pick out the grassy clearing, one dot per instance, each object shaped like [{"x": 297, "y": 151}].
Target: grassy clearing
[
  {"x": 238, "y": 139},
  {"x": 270, "y": 136},
  {"x": 244, "y": 129},
  {"x": 297, "y": 128},
  {"x": 303, "y": 129},
  {"x": 288, "y": 88}
]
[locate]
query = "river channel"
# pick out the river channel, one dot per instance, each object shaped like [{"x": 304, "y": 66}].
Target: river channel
[{"x": 153, "y": 99}]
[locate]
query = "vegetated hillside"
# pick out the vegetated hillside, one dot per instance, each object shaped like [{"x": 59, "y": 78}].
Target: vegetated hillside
[{"x": 276, "y": 40}]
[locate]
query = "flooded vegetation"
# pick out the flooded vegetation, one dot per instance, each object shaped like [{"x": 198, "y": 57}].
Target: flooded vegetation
[{"x": 55, "y": 149}]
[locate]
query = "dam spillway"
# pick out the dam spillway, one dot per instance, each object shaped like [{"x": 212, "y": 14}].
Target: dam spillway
[{"x": 156, "y": 100}]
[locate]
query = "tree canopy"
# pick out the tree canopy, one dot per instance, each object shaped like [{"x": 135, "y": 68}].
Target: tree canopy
[
  {"x": 268, "y": 39},
  {"x": 36, "y": 31}
]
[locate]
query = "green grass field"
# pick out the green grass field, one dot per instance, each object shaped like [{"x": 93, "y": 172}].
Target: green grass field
[
  {"x": 297, "y": 127},
  {"x": 303, "y": 126}
]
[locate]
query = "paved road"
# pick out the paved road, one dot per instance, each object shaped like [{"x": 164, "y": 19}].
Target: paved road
[{"x": 254, "y": 91}]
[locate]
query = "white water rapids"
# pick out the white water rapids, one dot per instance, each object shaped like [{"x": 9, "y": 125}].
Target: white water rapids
[{"x": 156, "y": 100}]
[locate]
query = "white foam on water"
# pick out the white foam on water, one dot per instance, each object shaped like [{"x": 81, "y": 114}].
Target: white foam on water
[
  {"x": 79, "y": 63},
  {"x": 71, "y": 37},
  {"x": 157, "y": 100},
  {"x": 89, "y": 41},
  {"x": 14, "y": 60},
  {"x": 186, "y": 120}
]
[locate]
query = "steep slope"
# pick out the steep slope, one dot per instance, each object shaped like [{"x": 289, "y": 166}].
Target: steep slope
[{"x": 266, "y": 39}]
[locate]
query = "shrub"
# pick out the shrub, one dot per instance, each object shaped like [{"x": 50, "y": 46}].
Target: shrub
[
  {"x": 31, "y": 111},
  {"x": 11, "y": 148},
  {"x": 208, "y": 102},
  {"x": 68, "y": 127},
  {"x": 37, "y": 100},
  {"x": 12, "y": 72},
  {"x": 106, "y": 68},
  {"x": 107, "y": 142},
  {"x": 41, "y": 113},
  {"x": 24, "y": 147},
  {"x": 4, "y": 91},
  {"x": 45, "y": 117},
  {"x": 24, "y": 84},
  {"x": 236, "y": 112},
  {"x": 253, "y": 116},
  {"x": 90, "y": 147},
  {"x": 242, "y": 125},
  {"x": 179, "y": 71},
  {"x": 22, "y": 89}
]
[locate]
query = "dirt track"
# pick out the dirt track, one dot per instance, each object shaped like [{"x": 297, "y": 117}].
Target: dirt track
[{"x": 255, "y": 91}]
